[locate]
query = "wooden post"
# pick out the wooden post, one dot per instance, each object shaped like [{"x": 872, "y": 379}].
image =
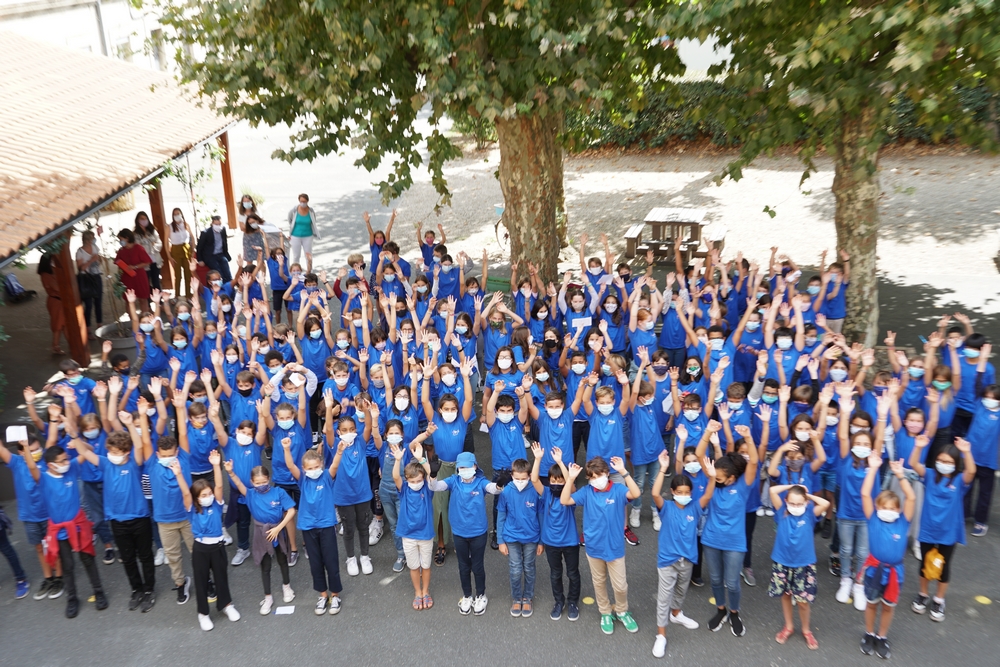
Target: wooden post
[
  {"x": 76, "y": 327},
  {"x": 159, "y": 216},
  {"x": 227, "y": 181}
]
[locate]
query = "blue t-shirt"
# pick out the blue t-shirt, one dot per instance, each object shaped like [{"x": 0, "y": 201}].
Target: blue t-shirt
[
  {"x": 300, "y": 442},
  {"x": 416, "y": 513},
  {"x": 552, "y": 433},
  {"x": 672, "y": 333},
  {"x": 793, "y": 540},
  {"x": 278, "y": 274},
  {"x": 208, "y": 522},
  {"x": 61, "y": 496},
  {"x": 678, "y": 533},
  {"x": 646, "y": 440},
  {"x": 201, "y": 442},
  {"x": 520, "y": 519},
  {"x": 168, "y": 503},
  {"x": 352, "y": 485},
  {"x": 507, "y": 443},
  {"x": 726, "y": 526},
  {"x": 449, "y": 439},
  {"x": 88, "y": 471},
  {"x": 965, "y": 398},
  {"x": 316, "y": 504},
  {"x": 850, "y": 480},
  {"x": 82, "y": 389},
  {"x": 606, "y": 439},
  {"x": 603, "y": 521},
  {"x": 269, "y": 507},
  {"x": 984, "y": 436},
  {"x": 245, "y": 458},
  {"x": 123, "y": 499},
  {"x": 558, "y": 521},
  {"x": 943, "y": 520},
  {"x": 467, "y": 506},
  {"x": 836, "y": 308},
  {"x": 30, "y": 505},
  {"x": 887, "y": 541}
]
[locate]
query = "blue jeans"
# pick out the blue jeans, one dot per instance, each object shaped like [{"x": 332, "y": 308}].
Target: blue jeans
[
  {"x": 522, "y": 564},
  {"x": 390, "y": 507},
  {"x": 19, "y": 574},
  {"x": 93, "y": 505},
  {"x": 724, "y": 565},
  {"x": 853, "y": 543},
  {"x": 639, "y": 474}
]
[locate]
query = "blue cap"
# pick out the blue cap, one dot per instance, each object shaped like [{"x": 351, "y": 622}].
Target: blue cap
[{"x": 465, "y": 460}]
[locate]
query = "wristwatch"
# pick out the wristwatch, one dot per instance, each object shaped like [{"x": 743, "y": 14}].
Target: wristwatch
[{"x": 423, "y": 461}]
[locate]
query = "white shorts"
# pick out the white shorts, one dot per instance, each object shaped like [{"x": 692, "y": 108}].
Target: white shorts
[{"x": 418, "y": 553}]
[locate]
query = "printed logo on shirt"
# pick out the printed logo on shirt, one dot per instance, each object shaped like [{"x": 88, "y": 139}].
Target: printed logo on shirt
[
  {"x": 800, "y": 523},
  {"x": 690, "y": 518},
  {"x": 896, "y": 537},
  {"x": 732, "y": 492},
  {"x": 123, "y": 471},
  {"x": 609, "y": 501},
  {"x": 473, "y": 493},
  {"x": 455, "y": 431},
  {"x": 528, "y": 503},
  {"x": 275, "y": 503},
  {"x": 319, "y": 487}
]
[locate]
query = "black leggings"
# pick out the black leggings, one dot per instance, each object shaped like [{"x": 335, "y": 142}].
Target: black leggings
[
  {"x": 374, "y": 479},
  {"x": 750, "y": 525},
  {"x": 209, "y": 562},
  {"x": 581, "y": 433},
  {"x": 355, "y": 517},
  {"x": 265, "y": 569},
  {"x": 69, "y": 578}
]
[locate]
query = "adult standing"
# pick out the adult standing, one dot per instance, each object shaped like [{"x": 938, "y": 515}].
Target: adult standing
[
  {"x": 303, "y": 229},
  {"x": 133, "y": 261},
  {"x": 180, "y": 253},
  {"x": 255, "y": 249},
  {"x": 90, "y": 280},
  {"x": 53, "y": 303},
  {"x": 147, "y": 236},
  {"x": 213, "y": 249}
]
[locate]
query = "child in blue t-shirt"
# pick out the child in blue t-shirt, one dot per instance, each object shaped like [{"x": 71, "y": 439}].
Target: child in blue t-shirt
[
  {"x": 558, "y": 535},
  {"x": 415, "y": 523},
  {"x": 519, "y": 532},
  {"x": 793, "y": 575}
]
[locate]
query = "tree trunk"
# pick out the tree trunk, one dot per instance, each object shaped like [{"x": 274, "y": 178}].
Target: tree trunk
[
  {"x": 531, "y": 178},
  {"x": 856, "y": 189}
]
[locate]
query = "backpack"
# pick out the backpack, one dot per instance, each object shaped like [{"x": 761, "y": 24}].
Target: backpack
[{"x": 15, "y": 290}]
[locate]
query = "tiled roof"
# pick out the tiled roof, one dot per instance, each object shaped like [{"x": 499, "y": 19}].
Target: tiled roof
[{"x": 76, "y": 128}]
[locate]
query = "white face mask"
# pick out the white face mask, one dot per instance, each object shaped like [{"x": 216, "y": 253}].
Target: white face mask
[
  {"x": 415, "y": 486},
  {"x": 692, "y": 468},
  {"x": 504, "y": 363},
  {"x": 314, "y": 473},
  {"x": 206, "y": 501},
  {"x": 244, "y": 439},
  {"x": 691, "y": 415},
  {"x": 117, "y": 459},
  {"x": 605, "y": 408},
  {"x": 832, "y": 421},
  {"x": 505, "y": 417},
  {"x": 579, "y": 368},
  {"x": 178, "y": 218},
  {"x": 264, "y": 350},
  {"x": 448, "y": 380},
  {"x": 401, "y": 403},
  {"x": 889, "y": 516},
  {"x": 610, "y": 307},
  {"x": 542, "y": 377},
  {"x": 394, "y": 439},
  {"x": 647, "y": 325},
  {"x": 232, "y": 358},
  {"x": 594, "y": 270},
  {"x": 943, "y": 468},
  {"x": 802, "y": 436},
  {"x": 348, "y": 437},
  {"x": 150, "y": 412},
  {"x": 466, "y": 473},
  {"x": 682, "y": 500},
  {"x": 520, "y": 484},
  {"x": 784, "y": 343},
  {"x": 60, "y": 470},
  {"x": 600, "y": 482},
  {"x": 796, "y": 510},
  {"x": 341, "y": 382},
  {"x": 861, "y": 452},
  {"x": 554, "y": 413},
  {"x": 449, "y": 416}
]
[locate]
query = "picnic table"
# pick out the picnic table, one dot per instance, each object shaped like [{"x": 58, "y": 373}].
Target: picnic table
[{"x": 670, "y": 228}]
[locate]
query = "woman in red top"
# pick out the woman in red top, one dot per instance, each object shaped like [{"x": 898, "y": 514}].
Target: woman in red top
[
  {"x": 53, "y": 303},
  {"x": 134, "y": 257}
]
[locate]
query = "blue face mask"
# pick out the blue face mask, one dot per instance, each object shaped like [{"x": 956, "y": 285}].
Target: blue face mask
[
  {"x": 146, "y": 327},
  {"x": 389, "y": 277},
  {"x": 343, "y": 344},
  {"x": 180, "y": 344},
  {"x": 461, "y": 330},
  {"x": 211, "y": 335},
  {"x": 753, "y": 326},
  {"x": 286, "y": 424},
  {"x": 184, "y": 317},
  {"x": 991, "y": 403},
  {"x": 838, "y": 374},
  {"x": 813, "y": 290},
  {"x": 92, "y": 433},
  {"x": 76, "y": 379},
  {"x": 200, "y": 399},
  {"x": 167, "y": 461},
  {"x": 769, "y": 399},
  {"x": 446, "y": 268},
  {"x": 970, "y": 353},
  {"x": 421, "y": 289},
  {"x": 915, "y": 372},
  {"x": 315, "y": 333},
  {"x": 262, "y": 488},
  {"x": 292, "y": 396}
]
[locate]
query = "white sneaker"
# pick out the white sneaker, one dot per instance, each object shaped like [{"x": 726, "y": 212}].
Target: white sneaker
[
  {"x": 916, "y": 551},
  {"x": 479, "y": 605},
  {"x": 160, "y": 558},
  {"x": 240, "y": 556},
  {"x": 860, "y": 603},
  {"x": 352, "y": 566},
  {"x": 265, "y": 605},
  {"x": 760, "y": 511},
  {"x": 374, "y": 532},
  {"x": 334, "y": 605},
  {"x": 660, "y": 646},
  {"x": 205, "y": 622},
  {"x": 465, "y": 606},
  {"x": 227, "y": 539},
  {"x": 231, "y": 613},
  {"x": 844, "y": 592},
  {"x": 287, "y": 594},
  {"x": 681, "y": 619},
  {"x": 656, "y": 520},
  {"x": 768, "y": 511},
  {"x": 633, "y": 517},
  {"x": 366, "y": 565},
  {"x": 321, "y": 606}
]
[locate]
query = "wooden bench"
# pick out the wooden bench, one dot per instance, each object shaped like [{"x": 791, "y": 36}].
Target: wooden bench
[{"x": 633, "y": 237}]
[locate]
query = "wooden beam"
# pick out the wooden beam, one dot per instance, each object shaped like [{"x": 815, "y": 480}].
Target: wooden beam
[
  {"x": 227, "y": 181},
  {"x": 76, "y": 327},
  {"x": 159, "y": 217}
]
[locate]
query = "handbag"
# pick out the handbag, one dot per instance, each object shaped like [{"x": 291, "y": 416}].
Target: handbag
[{"x": 89, "y": 285}]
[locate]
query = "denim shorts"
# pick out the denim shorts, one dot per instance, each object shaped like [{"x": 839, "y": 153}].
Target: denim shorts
[
  {"x": 827, "y": 480},
  {"x": 36, "y": 531}
]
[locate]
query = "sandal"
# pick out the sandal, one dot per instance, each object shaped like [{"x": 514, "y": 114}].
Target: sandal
[
  {"x": 810, "y": 640},
  {"x": 784, "y": 634},
  {"x": 439, "y": 556},
  {"x": 428, "y": 602},
  {"x": 418, "y": 603}
]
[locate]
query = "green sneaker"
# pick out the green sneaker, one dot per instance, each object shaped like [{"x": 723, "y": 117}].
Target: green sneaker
[
  {"x": 629, "y": 622},
  {"x": 608, "y": 623}
]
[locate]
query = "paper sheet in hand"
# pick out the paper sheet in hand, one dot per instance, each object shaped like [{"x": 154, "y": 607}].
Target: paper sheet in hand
[{"x": 17, "y": 433}]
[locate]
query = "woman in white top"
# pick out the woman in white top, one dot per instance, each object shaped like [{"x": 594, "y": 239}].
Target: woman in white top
[
  {"x": 90, "y": 280},
  {"x": 147, "y": 236},
  {"x": 180, "y": 253}
]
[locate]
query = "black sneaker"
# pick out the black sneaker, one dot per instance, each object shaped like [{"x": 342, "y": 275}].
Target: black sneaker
[
  {"x": 135, "y": 600},
  {"x": 184, "y": 591},
  {"x": 697, "y": 581},
  {"x": 882, "y": 648},
  {"x": 493, "y": 541},
  {"x": 56, "y": 588},
  {"x": 100, "y": 600},
  {"x": 835, "y": 565},
  {"x": 267, "y": 452},
  {"x": 937, "y": 611},
  {"x": 43, "y": 589},
  {"x": 72, "y": 607},
  {"x": 827, "y": 529},
  {"x": 736, "y": 624},
  {"x": 631, "y": 537},
  {"x": 148, "y": 600},
  {"x": 868, "y": 644},
  {"x": 109, "y": 556},
  {"x": 210, "y": 592},
  {"x": 919, "y": 604},
  {"x": 716, "y": 622}
]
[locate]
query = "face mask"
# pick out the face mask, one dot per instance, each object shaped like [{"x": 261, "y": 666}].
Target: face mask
[
  {"x": 314, "y": 473},
  {"x": 146, "y": 327},
  {"x": 342, "y": 344},
  {"x": 180, "y": 344},
  {"x": 605, "y": 408},
  {"x": 166, "y": 461},
  {"x": 915, "y": 372},
  {"x": 184, "y": 317},
  {"x": 703, "y": 340},
  {"x": 434, "y": 345},
  {"x": 716, "y": 344},
  {"x": 449, "y": 416},
  {"x": 838, "y": 374},
  {"x": 542, "y": 314},
  {"x": 504, "y": 363},
  {"x": 811, "y": 340},
  {"x": 211, "y": 335},
  {"x": 415, "y": 486},
  {"x": 784, "y": 343},
  {"x": 264, "y": 350},
  {"x": 76, "y": 379},
  {"x": 520, "y": 484},
  {"x": 795, "y": 465},
  {"x": 691, "y": 415},
  {"x": 206, "y": 501},
  {"x": 600, "y": 482},
  {"x": 200, "y": 399},
  {"x": 466, "y": 473},
  {"x": 692, "y": 468},
  {"x": 861, "y": 452},
  {"x": 341, "y": 382},
  {"x": 118, "y": 459},
  {"x": 178, "y": 218},
  {"x": 217, "y": 227},
  {"x": 796, "y": 510},
  {"x": 970, "y": 353},
  {"x": 446, "y": 268},
  {"x": 991, "y": 403},
  {"x": 315, "y": 333},
  {"x": 401, "y": 403},
  {"x": 554, "y": 413},
  {"x": 660, "y": 370},
  {"x": 378, "y": 382},
  {"x": 226, "y": 307},
  {"x": 461, "y": 329},
  {"x": 217, "y": 283},
  {"x": 241, "y": 331},
  {"x": 752, "y": 326},
  {"x": 940, "y": 385},
  {"x": 694, "y": 371},
  {"x": 857, "y": 429},
  {"x": 610, "y": 307},
  {"x": 682, "y": 500},
  {"x": 92, "y": 433},
  {"x": 734, "y": 405},
  {"x": 505, "y": 417},
  {"x": 394, "y": 439},
  {"x": 262, "y": 488},
  {"x": 605, "y": 369},
  {"x": 286, "y": 424},
  {"x": 150, "y": 412},
  {"x": 542, "y": 377},
  {"x": 60, "y": 470},
  {"x": 813, "y": 290},
  {"x": 579, "y": 368},
  {"x": 769, "y": 398},
  {"x": 421, "y": 289},
  {"x": 802, "y": 436},
  {"x": 232, "y": 358},
  {"x": 348, "y": 437},
  {"x": 244, "y": 439},
  {"x": 36, "y": 455},
  {"x": 556, "y": 489},
  {"x": 889, "y": 516},
  {"x": 944, "y": 468},
  {"x": 594, "y": 270},
  {"x": 832, "y": 421}
]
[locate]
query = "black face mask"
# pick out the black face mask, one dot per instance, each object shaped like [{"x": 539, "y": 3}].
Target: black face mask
[
  {"x": 124, "y": 372},
  {"x": 245, "y": 392},
  {"x": 549, "y": 344},
  {"x": 556, "y": 489}
]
